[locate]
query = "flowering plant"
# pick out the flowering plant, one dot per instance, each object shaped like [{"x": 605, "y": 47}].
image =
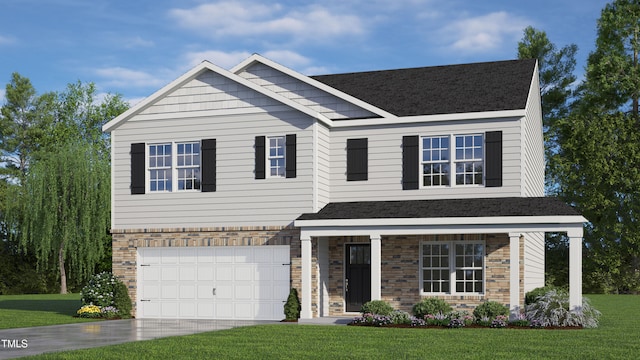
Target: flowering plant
[
  {"x": 372, "y": 319},
  {"x": 499, "y": 322},
  {"x": 109, "y": 312},
  {"x": 89, "y": 311},
  {"x": 100, "y": 290},
  {"x": 520, "y": 320},
  {"x": 438, "y": 319}
]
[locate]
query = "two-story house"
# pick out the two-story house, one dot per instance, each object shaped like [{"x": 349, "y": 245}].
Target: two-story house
[{"x": 231, "y": 187}]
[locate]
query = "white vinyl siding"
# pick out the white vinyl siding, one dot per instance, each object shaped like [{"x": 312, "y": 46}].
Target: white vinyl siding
[
  {"x": 385, "y": 161},
  {"x": 533, "y": 162},
  {"x": 240, "y": 200},
  {"x": 303, "y": 93},
  {"x": 324, "y": 166},
  {"x": 534, "y": 261}
]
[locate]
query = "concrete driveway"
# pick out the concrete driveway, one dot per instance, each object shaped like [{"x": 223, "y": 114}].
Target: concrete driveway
[{"x": 37, "y": 340}]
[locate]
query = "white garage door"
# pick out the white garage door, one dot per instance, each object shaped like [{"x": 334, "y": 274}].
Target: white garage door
[{"x": 226, "y": 282}]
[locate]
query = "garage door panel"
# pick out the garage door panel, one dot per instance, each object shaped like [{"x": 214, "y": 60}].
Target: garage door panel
[
  {"x": 169, "y": 273},
  {"x": 243, "y": 272},
  {"x": 250, "y": 282},
  {"x": 187, "y": 292}
]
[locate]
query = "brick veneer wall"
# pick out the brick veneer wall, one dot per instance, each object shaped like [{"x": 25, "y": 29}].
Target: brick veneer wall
[
  {"x": 126, "y": 242},
  {"x": 400, "y": 271}
]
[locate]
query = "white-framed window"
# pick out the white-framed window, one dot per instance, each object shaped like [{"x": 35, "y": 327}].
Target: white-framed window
[
  {"x": 160, "y": 173},
  {"x": 469, "y": 159},
  {"x": 452, "y": 267},
  {"x": 440, "y": 162},
  {"x": 174, "y": 160},
  {"x": 276, "y": 156}
]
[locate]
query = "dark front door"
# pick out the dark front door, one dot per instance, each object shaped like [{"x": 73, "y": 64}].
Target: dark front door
[{"x": 357, "y": 276}]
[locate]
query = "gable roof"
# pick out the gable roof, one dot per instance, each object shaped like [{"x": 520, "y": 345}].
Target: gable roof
[
  {"x": 443, "y": 208},
  {"x": 465, "y": 88},
  {"x": 192, "y": 74}
]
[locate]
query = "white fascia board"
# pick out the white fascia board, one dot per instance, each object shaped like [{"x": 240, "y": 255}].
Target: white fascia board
[
  {"x": 108, "y": 127},
  {"x": 484, "y": 115},
  {"x": 317, "y": 84},
  {"x": 448, "y": 221},
  {"x": 205, "y": 65},
  {"x": 389, "y": 230}
]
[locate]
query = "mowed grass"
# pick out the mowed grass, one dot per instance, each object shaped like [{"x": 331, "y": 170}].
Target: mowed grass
[
  {"x": 18, "y": 311},
  {"x": 618, "y": 337}
]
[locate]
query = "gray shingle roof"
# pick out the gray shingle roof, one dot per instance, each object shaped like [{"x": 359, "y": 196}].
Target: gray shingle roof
[
  {"x": 485, "y": 207},
  {"x": 489, "y": 86}
]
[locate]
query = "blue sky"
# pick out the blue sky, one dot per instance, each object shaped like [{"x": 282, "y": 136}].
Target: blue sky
[{"x": 135, "y": 47}]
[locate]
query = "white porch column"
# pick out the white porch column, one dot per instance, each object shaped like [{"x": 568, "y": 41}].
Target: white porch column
[
  {"x": 514, "y": 274},
  {"x": 323, "y": 276},
  {"x": 376, "y": 259},
  {"x": 305, "y": 297},
  {"x": 575, "y": 269}
]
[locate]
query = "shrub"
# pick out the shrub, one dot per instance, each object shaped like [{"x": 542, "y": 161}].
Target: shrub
[
  {"x": 121, "y": 300},
  {"x": 552, "y": 309},
  {"x": 490, "y": 310},
  {"x": 372, "y": 319},
  {"x": 292, "y": 306},
  {"x": 100, "y": 290},
  {"x": 105, "y": 290},
  {"x": 460, "y": 316},
  {"x": 400, "y": 317},
  {"x": 531, "y": 296},
  {"x": 377, "y": 307},
  {"x": 438, "y": 319},
  {"x": 431, "y": 306}
]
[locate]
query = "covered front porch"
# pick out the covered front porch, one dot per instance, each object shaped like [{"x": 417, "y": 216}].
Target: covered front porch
[{"x": 398, "y": 248}]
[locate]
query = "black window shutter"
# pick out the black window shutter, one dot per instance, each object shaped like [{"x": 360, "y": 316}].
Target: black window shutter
[
  {"x": 260, "y": 157},
  {"x": 357, "y": 159},
  {"x": 290, "y": 156},
  {"x": 138, "y": 168},
  {"x": 493, "y": 161},
  {"x": 208, "y": 171},
  {"x": 410, "y": 162}
]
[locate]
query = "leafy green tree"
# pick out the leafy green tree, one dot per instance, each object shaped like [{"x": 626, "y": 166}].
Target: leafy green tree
[
  {"x": 599, "y": 158},
  {"x": 64, "y": 209},
  {"x": 24, "y": 123}
]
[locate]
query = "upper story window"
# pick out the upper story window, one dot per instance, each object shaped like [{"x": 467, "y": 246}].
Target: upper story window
[
  {"x": 452, "y": 267},
  {"x": 276, "y": 156},
  {"x": 441, "y": 163},
  {"x": 169, "y": 161}
]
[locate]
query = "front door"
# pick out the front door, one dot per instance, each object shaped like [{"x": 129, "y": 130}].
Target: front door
[{"x": 357, "y": 276}]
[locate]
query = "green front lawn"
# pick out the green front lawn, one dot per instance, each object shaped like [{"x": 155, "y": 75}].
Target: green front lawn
[
  {"x": 616, "y": 338},
  {"x": 18, "y": 311}
]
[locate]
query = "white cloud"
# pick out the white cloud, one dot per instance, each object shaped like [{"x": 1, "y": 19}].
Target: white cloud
[
  {"x": 119, "y": 76},
  {"x": 224, "y": 19},
  {"x": 483, "y": 33},
  {"x": 136, "y": 42},
  {"x": 2, "y": 99},
  {"x": 5, "y": 40}
]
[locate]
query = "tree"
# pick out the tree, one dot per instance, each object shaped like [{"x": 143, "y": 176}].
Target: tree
[
  {"x": 599, "y": 157},
  {"x": 24, "y": 123},
  {"x": 556, "y": 67},
  {"x": 64, "y": 212}
]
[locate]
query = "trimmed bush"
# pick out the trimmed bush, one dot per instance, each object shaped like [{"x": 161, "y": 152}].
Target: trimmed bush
[
  {"x": 121, "y": 300},
  {"x": 531, "y": 296},
  {"x": 377, "y": 307},
  {"x": 292, "y": 306},
  {"x": 400, "y": 317},
  {"x": 490, "y": 310},
  {"x": 431, "y": 306},
  {"x": 552, "y": 309}
]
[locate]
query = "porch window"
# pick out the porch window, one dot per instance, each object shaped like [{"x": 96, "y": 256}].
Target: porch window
[{"x": 452, "y": 267}]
